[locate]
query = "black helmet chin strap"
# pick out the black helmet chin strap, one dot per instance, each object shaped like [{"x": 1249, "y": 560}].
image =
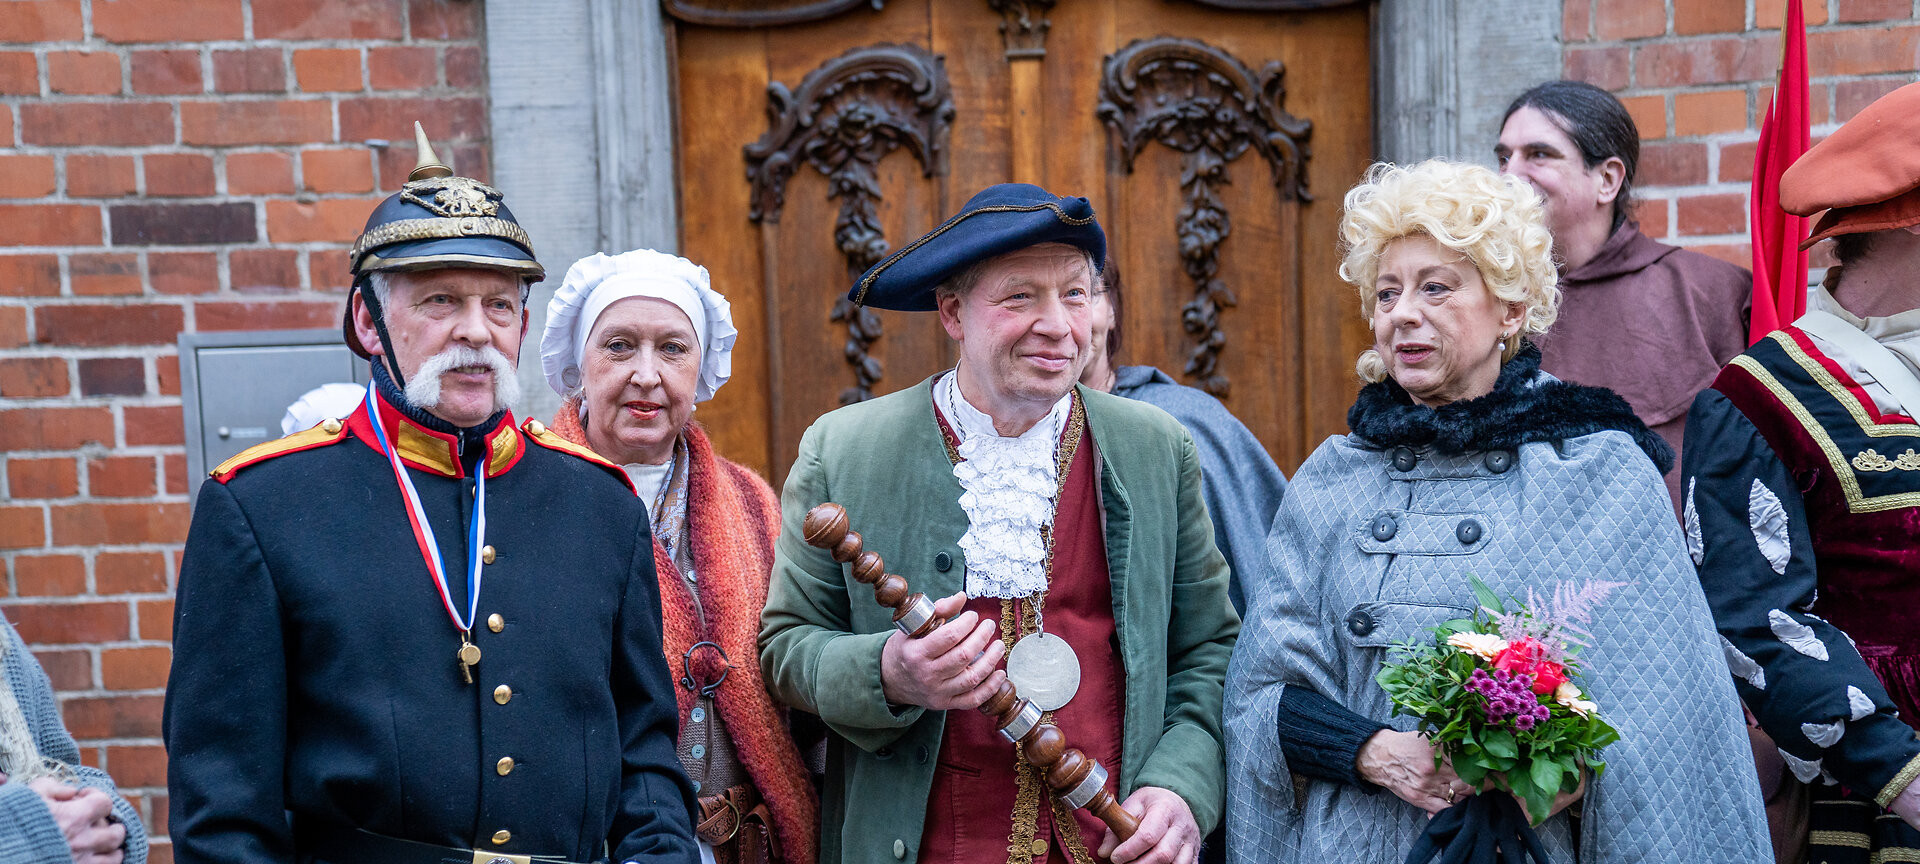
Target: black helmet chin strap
[{"x": 370, "y": 297}]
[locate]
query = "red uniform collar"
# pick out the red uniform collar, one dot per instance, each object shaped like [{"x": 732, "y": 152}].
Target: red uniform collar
[{"x": 432, "y": 450}]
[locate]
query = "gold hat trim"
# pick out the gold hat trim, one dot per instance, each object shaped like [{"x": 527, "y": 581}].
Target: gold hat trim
[{"x": 406, "y": 230}]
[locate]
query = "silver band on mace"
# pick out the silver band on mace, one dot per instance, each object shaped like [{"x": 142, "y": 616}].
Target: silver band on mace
[
  {"x": 915, "y": 616},
  {"x": 1092, "y": 784},
  {"x": 1022, "y": 723}
]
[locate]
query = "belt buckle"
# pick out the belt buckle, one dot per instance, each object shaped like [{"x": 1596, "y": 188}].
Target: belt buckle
[
  {"x": 481, "y": 856},
  {"x": 738, "y": 818}
]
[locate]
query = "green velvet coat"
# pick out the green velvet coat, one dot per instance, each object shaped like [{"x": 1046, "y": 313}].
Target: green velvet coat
[{"x": 820, "y": 646}]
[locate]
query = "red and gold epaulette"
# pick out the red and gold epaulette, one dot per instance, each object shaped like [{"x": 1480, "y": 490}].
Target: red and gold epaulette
[
  {"x": 327, "y": 432},
  {"x": 538, "y": 433}
]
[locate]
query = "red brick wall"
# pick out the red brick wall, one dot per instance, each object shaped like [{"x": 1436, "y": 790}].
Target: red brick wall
[
  {"x": 171, "y": 165},
  {"x": 1698, "y": 75}
]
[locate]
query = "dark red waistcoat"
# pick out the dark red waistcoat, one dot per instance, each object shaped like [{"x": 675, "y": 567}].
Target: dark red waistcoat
[{"x": 970, "y": 807}]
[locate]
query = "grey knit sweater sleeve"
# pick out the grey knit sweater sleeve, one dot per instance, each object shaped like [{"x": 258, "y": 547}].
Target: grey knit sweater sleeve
[
  {"x": 24, "y": 818},
  {"x": 28, "y": 834}
]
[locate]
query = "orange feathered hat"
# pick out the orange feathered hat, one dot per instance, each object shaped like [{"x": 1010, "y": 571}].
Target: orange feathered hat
[{"x": 1866, "y": 175}]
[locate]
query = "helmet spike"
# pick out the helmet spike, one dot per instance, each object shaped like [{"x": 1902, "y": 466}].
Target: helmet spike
[{"x": 430, "y": 165}]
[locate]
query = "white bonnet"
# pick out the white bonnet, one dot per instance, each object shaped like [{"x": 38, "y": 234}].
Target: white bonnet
[{"x": 597, "y": 281}]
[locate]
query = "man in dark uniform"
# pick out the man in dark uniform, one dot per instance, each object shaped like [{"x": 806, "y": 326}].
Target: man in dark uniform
[
  {"x": 1802, "y": 499},
  {"x": 391, "y": 646}
]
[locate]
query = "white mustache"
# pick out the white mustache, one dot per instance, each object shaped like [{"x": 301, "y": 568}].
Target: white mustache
[{"x": 423, "y": 389}]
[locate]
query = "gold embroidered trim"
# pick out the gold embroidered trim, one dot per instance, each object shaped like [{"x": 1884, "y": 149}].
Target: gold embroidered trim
[
  {"x": 438, "y": 229},
  {"x": 1899, "y": 782},
  {"x": 1868, "y": 460},
  {"x": 867, "y": 282},
  {"x": 1068, "y": 829},
  {"x": 1902, "y": 855},
  {"x": 1839, "y": 391},
  {"x": 1849, "y": 839},
  {"x": 1857, "y": 502}
]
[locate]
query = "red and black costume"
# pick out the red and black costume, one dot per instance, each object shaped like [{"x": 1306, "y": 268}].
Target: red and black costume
[{"x": 1802, "y": 508}]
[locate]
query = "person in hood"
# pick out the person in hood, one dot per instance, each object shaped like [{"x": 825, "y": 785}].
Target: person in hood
[{"x": 1651, "y": 322}]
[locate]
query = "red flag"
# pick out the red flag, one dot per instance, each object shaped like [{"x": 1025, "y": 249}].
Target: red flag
[{"x": 1779, "y": 265}]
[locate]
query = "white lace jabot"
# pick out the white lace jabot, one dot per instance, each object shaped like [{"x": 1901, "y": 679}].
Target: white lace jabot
[{"x": 1009, "y": 485}]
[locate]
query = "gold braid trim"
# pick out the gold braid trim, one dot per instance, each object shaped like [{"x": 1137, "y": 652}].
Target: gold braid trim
[
  {"x": 1899, "y": 783},
  {"x": 1068, "y": 829},
  {"x": 438, "y": 229}
]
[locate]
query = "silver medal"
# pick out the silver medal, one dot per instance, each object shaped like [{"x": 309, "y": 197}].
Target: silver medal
[{"x": 1044, "y": 669}]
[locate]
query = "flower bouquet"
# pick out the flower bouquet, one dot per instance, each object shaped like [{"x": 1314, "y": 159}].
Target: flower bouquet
[{"x": 1497, "y": 694}]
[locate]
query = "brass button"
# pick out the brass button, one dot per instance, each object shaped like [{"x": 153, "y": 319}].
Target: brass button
[
  {"x": 502, "y": 693},
  {"x": 504, "y": 766},
  {"x": 1037, "y": 847},
  {"x": 536, "y": 427},
  {"x": 331, "y": 427},
  {"x": 501, "y": 837},
  {"x": 496, "y": 623},
  {"x": 486, "y": 554}
]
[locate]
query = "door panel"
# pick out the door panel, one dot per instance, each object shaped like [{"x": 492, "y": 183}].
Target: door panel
[{"x": 1286, "y": 347}]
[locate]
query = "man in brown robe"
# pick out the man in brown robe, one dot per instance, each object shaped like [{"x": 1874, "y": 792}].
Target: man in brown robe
[{"x": 1649, "y": 321}]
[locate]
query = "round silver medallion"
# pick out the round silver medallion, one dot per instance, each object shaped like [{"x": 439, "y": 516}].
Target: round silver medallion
[{"x": 1044, "y": 669}]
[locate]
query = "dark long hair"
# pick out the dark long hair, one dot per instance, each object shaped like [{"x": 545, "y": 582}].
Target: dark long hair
[{"x": 1598, "y": 124}]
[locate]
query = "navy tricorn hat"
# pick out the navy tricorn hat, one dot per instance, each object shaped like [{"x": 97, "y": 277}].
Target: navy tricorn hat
[
  {"x": 1001, "y": 219},
  {"x": 436, "y": 221}
]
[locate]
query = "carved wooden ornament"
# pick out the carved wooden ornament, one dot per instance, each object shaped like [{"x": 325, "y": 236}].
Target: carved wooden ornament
[
  {"x": 1025, "y": 26},
  {"x": 1203, "y": 103},
  {"x": 848, "y": 114}
]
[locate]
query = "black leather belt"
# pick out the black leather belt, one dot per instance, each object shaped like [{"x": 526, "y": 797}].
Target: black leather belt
[{"x": 342, "y": 845}]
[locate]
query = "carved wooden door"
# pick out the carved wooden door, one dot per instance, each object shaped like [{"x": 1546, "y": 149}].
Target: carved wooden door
[{"x": 1214, "y": 138}]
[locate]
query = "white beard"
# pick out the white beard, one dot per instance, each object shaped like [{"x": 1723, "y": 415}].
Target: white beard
[{"x": 423, "y": 389}]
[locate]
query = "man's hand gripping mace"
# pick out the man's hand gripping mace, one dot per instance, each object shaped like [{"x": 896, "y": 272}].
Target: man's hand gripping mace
[{"x": 1075, "y": 778}]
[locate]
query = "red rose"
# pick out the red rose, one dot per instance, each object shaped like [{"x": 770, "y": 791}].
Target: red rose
[{"x": 1526, "y": 656}]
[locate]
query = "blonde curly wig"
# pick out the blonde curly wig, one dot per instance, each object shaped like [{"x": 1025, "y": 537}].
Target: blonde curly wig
[{"x": 1497, "y": 222}]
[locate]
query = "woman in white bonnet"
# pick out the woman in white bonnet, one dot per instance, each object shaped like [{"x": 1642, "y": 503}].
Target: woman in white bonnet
[{"x": 632, "y": 342}]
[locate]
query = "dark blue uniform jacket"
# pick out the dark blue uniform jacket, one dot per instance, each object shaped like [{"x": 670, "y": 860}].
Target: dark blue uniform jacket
[{"x": 314, "y": 674}]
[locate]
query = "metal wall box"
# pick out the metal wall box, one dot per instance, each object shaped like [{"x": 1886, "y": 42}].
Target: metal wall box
[{"x": 235, "y": 387}]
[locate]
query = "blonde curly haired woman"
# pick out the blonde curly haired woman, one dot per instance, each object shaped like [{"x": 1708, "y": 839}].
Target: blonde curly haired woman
[{"x": 1466, "y": 459}]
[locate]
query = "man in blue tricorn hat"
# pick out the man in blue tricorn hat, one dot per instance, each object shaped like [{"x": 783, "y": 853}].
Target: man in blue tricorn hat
[
  {"x": 1066, "y": 532},
  {"x": 391, "y": 645}
]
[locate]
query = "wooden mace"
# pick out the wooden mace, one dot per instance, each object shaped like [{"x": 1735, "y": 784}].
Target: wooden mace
[{"x": 1075, "y": 778}]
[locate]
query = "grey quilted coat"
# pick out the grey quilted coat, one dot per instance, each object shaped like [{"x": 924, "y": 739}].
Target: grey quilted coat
[{"x": 1679, "y": 785}]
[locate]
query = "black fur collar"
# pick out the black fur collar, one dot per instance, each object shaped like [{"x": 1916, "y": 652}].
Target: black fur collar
[{"x": 1522, "y": 408}]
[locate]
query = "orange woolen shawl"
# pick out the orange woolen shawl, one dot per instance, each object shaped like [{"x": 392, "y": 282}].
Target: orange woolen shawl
[{"x": 733, "y": 517}]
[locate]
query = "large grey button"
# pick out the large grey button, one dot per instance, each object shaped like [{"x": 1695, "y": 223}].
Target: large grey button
[
  {"x": 1468, "y": 531},
  {"x": 699, "y": 751},
  {"x": 899, "y": 848},
  {"x": 942, "y": 562},
  {"x": 1498, "y": 461},
  {"x": 1403, "y": 458},
  {"x": 1384, "y": 527},
  {"x": 697, "y": 715},
  {"x": 1359, "y": 623}
]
